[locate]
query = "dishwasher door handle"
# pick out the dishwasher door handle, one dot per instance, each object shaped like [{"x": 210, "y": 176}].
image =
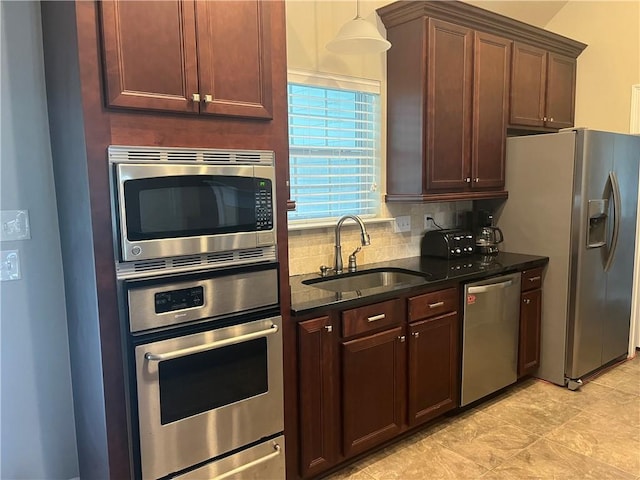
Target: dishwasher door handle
[{"x": 491, "y": 286}]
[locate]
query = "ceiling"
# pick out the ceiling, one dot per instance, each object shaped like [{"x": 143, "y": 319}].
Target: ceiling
[{"x": 534, "y": 12}]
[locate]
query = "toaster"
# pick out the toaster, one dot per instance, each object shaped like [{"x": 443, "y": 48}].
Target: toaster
[{"x": 447, "y": 243}]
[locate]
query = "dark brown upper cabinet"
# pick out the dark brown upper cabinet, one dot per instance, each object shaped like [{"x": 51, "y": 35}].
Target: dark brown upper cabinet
[
  {"x": 542, "y": 88},
  {"x": 450, "y": 85},
  {"x": 193, "y": 57},
  {"x": 492, "y": 61},
  {"x": 446, "y": 129}
]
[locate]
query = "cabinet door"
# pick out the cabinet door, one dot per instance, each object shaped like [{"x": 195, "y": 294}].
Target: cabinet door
[
  {"x": 492, "y": 68},
  {"x": 234, "y": 57},
  {"x": 149, "y": 55},
  {"x": 561, "y": 84},
  {"x": 373, "y": 389},
  {"x": 530, "y": 320},
  {"x": 449, "y": 88},
  {"x": 433, "y": 367},
  {"x": 317, "y": 417},
  {"x": 528, "y": 84}
]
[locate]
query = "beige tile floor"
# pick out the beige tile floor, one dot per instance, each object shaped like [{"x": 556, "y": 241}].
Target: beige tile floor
[{"x": 533, "y": 430}]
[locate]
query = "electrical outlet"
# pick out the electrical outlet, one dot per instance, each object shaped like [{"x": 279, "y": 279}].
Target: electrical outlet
[
  {"x": 402, "y": 224},
  {"x": 9, "y": 265},
  {"x": 428, "y": 224},
  {"x": 14, "y": 225}
]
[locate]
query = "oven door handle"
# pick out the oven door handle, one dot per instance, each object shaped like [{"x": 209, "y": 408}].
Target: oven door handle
[
  {"x": 249, "y": 465},
  {"x": 159, "y": 357}
]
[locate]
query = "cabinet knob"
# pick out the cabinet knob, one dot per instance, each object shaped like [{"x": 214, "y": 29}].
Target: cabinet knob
[
  {"x": 527, "y": 301},
  {"x": 328, "y": 328},
  {"x": 551, "y": 119},
  {"x": 208, "y": 99},
  {"x": 401, "y": 338},
  {"x": 476, "y": 179},
  {"x": 544, "y": 119},
  {"x": 195, "y": 97},
  {"x": 415, "y": 334},
  {"x": 468, "y": 179}
]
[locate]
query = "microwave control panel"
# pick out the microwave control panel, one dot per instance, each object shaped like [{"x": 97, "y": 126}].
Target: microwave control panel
[
  {"x": 179, "y": 299},
  {"x": 264, "y": 204}
]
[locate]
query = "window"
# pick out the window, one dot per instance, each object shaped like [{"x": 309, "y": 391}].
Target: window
[{"x": 334, "y": 147}]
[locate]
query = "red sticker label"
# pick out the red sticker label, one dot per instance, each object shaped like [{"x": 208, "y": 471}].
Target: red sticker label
[{"x": 471, "y": 299}]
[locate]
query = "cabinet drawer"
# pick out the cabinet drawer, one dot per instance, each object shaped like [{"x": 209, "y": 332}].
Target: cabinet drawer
[
  {"x": 433, "y": 303},
  {"x": 531, "y": 279},
  {"x": 370, "y": 317}
]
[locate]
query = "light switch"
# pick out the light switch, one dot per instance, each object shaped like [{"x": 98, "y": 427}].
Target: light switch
[
  {"x": 14, "y": 225},
  {"x": 9, "y": 265}
]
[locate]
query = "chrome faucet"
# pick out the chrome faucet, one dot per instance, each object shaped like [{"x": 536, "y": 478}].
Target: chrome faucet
[{"x": 337, "y": 268}]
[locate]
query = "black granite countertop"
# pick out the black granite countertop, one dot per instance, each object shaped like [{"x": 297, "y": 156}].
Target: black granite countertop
[{"x": 307, "y": 298}]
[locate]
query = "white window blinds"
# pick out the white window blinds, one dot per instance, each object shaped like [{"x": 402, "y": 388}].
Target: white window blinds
[{"x": 334, "y": 150}]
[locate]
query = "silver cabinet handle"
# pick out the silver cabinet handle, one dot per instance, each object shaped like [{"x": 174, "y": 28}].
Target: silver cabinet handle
[
  {"x": 195, "y": 97},
  {"x": 328, "y": 328},
  {"x": 468, "y": 179},
  {"x": 477, "y": 179},
  {"x": 487, "y": 288},
  {"x": 402, "y": 338},
  {"x": 246, "y": 466},
  {"x": 375, "y": 318},
  {"x": 208, "y": 99},
  {"x": 159, "y": 357},
  {"x": 527, "y": 301},
  {"x": 436, "y": 305},
  {"x": 544, "y": 119},
  {"x": 551, "y": 119},
  {"x": 415, "y": 334},
  {"x": 534, "y": 279}
]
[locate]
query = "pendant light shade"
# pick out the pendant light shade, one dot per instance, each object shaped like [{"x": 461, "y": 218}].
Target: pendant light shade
[{"x": 358, "y": 36}]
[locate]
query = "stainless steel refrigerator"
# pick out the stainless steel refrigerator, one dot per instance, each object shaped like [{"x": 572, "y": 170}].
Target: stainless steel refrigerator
[{"x": 573, "y": 197}]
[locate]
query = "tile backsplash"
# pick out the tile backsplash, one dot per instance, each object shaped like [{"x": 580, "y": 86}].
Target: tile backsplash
[{"x": 310, "y": 248}]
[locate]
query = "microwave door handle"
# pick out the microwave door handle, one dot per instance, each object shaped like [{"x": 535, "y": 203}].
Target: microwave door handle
[
  {"x": 247, "y": 466},
  {"x": 159, "y": 357}
]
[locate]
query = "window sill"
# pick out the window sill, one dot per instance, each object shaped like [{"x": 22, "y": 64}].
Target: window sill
[{"x": 331, "y": 224}]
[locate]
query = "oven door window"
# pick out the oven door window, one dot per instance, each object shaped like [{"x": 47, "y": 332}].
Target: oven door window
[
  {"x": 205, "y": 381},
  {"x": 189, "y": 205}
]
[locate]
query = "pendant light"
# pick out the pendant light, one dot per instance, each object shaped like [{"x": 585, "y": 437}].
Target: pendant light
[{"x": 358, "y": 36}]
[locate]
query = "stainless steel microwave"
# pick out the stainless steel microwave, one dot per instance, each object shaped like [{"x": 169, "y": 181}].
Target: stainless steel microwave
[{"x": 173, "y": 202}]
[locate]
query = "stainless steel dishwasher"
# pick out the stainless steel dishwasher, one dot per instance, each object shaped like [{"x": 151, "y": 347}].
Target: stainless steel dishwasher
[{"x": 490, "y": 336}]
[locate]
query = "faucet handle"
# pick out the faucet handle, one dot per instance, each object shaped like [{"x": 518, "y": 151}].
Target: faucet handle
[
  {"x": 324, "y": 270},
  {"x": 352, "y": 260}
]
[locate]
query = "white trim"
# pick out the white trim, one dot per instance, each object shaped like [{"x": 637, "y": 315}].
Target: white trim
[
  {"x": 332, "y": 80},
  {"x": 634, "y": 327},
  {"x": 311, "y": 225},
  {"x": 634, "y": 126}
]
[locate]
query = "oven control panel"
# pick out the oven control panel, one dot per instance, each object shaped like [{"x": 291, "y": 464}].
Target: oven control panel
[{"x": 179, "y": 299}]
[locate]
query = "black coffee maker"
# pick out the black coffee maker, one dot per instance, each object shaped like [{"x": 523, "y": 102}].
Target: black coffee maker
[{"x": 486, "y": 235}]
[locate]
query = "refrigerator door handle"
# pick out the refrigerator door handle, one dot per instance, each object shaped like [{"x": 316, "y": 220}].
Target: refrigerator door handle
[{"x": 613, "y": 187}]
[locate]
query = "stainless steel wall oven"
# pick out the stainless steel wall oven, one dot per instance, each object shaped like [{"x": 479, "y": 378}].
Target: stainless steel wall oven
[{"x": 206, "y": 358}]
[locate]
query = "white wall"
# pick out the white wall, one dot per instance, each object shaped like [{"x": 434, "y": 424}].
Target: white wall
[
  {"x": 37, "y": 430},
  {"x": 610, "y": 64}
]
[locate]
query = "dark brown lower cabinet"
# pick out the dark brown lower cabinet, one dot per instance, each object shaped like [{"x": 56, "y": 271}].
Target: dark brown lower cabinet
[
  {"x": 530, "y": 320},
  {"x": 318, "y": 445},
  {"x": 433, "y": 367},
  {"x": 369, "y": 373},
  {"x": 373, "y": 389}
]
